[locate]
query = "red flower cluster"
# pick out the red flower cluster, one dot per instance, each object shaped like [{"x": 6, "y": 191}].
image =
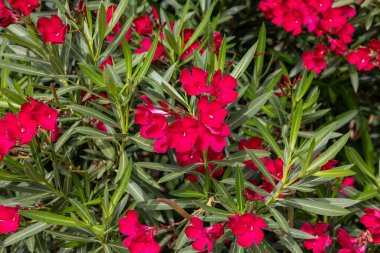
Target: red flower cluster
[
  {"x": 315, "y": 60},
  {"x": 188, "y": 134},
  {"x": 203, "y": 237},
  {"x": 371, "y": 220},
  {"x": 52, "y": 29},
  {"x": 366, "y": 57},
  {"x": 22, "y": 128},
  {"x": 140, "y": 238},
  {"x": 17, "y": 10},
  {"x": 247, "y": 228},
  {"x": 349, "y": 244},
  {"x": 9, "y": 219},
  {"x": 320, "y": 18},
  {"x": 321, "y": 241},
  {"x": 116, "y": 29}
]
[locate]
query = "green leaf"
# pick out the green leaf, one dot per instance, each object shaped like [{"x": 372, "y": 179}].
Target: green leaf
[
  {"x": 70, "y": 236},
  {"x": 247, "y": 112},
  {"x": 269, "y": 139},
  {"x": 333, "y": 173},
  {"x": 83, "y": 212},
  {"x": 200, "y": 28},
  {"x": 261, "y": 44},
  {"x": 315, "y": 206},
  {"x": 144, "y": 66},
  {"x": 281, "y": 221},
  {"x": 23, "y": 69},
  {"x": 214, "y": 210},
  {"x": 51, "y": 218},
  {"x": 65, "y": 136},
  {"x": 328, "y": 154},
  {"x": 296, "y": 124},
  {"x": 91, "y": 73},
  {"x": 299, "y": 234},
  {"x": 122, "y": 186},
  {"x": 239, "y": 187},
  {"x": 304, "y": 84},
  {"x": 26, "y": 233},
  {"x": 174, "y": 175},
  {"x": 244, "y": 62},
  {"x": 185, "y": 193},
  {"x": 13, "y": 96},
  {"x": 89, "y": 112}
]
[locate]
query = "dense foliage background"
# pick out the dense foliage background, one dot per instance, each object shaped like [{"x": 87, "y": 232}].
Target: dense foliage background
[{"x": 189, "y": 126}]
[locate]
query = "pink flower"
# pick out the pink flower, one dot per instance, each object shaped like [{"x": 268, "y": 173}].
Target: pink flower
[
  {"x": 194, "y": 82},
  {"x": 349, "y": 244},
  {"x": 143, "y": 25},
  {"x": 182, "y": 134},
  {"x": 315, "y": 60},
  {"x": 223, "y": 88},
  {"x": 25, "y": 6},
  {"x": 321, "y": 241},
  {"x": 146, "y": 43},
  {"x": 6, "y": 16},
  {"x": 371, "y": 220},
  {"x": 203, "y": 237},
  {"x": 361, "y": 58},
  {"x": 248, "y": 229},
  {"x": 52, "y": 30},
  {"x": 138, "y": 240},
  {"x": 9, "y": 219}
]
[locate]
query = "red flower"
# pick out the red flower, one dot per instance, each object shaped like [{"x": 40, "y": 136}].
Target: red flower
[
  {"x": 116, "y": 29},
  {"x": 55, "y": 134},
  {"x": 194, "y": 82},
  {"x": 138, "y": 240},
  {"x": 223, "y": 88},
  {"x": 252, "y": 143},
  {"x": 143, "y": 25},
  {"x": 371, "y": 220},
  {"x": 337, "y": 46},
  {"x": 45, "y": 116},
  {"x": 52, "y": 30},
  {"x": 349, "y": 244},
  {"x": 347, "y": 182},
  {"x": 196, "y": 156},
  {"x": 9, "y": 219},
  {"x": 25, "y": 6},
  {"x": 248, "y": 229},
  {"x": 203, "y": 237},
  {"x": 321, "y": 241},
  {"x": 374, "y": 45},
  {"x": 146, "y": 43},
  {"x": 315, "y": 60},
  {"x": 218, "y": 39},
  {"x": 191, "y": 50},
  {"x": 6, "y": 16},
  {"x": 182, "y": 134},
  {"x": 211, "y": 114},
  {"x": 330, "y": 165},
  {"x": 215, "y": 138},
  {"x": 28, "y": 127},
  {"x": 333, "y": 20},
  {"x": 9, "y": 133},
  {"x": 321, "y": 5},
  {"x": 293, "y": 21},
  {"x": 361, "y": 58},
  {"x": 187, "y": 33},
  {"x": 108, "y": 61},
  {"x": 275, "y": 168}
]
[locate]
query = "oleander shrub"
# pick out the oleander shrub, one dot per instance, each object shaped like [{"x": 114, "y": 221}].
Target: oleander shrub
[{"x": 189, "y": 126}]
